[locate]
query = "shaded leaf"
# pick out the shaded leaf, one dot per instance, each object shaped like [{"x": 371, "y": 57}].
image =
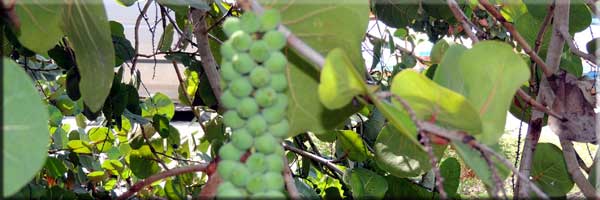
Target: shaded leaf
[
  {"x": 549, "y": 170},
  {"x": 158, "y": 104},
  {"x": 366, "y": 184},
  {"x": 339, "y": 81},
  {"x": 352, "y": 143},
  {"x": 40, "y": 17},
  {"x": 395, "y": 153}
]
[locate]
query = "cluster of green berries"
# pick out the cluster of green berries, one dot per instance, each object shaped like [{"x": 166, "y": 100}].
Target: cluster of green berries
[{"x": 254, "y": 83}]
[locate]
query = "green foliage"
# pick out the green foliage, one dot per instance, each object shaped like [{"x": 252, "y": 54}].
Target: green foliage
[
  {"x": 366, "y": 184},
  {"x": 25, "y": 139},
  {"x": 549, "y": 170},
  {"x": 339, "y": 81},
  {"x": 397, "y": 154}
]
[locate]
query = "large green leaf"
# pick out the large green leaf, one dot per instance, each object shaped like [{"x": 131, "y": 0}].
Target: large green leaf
[
  {"x": 580, "y": 16},
  {"x": 159, "y": 104},
  {"x": 396, "y": 13},
  {"x": 39, "y": 17},
  {"x": 491, "y": 81},
  {"x": 549, "y": 170},
  {"x": 448, "y": 72},
  {"x": 475, "y": 162},
  {"x": 88, "y": 32},
  {"x": 450, "y": 171},
  {"x": 24, "y": 131},
  {"x": 397, "y": 154},
  {"x": 340, "y": 82},
  {"x": 143, "y": 167},
  {"x": 402, "y": 188},
  {"x": 126, "y": 2},
  {"x": 323, "y": 25},
  {"x": 432, "y": 101},
  {"x": 366, "y": 184}
]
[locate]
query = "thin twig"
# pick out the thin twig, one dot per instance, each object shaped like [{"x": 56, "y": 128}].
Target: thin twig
[
  {"x": 183, "y": 88},
  {"x": 314, "y": 157},
  {"x": 154, "y": 152},
  {"x": 538, "y": 105},
  {"x": 400, "y": 48},
  {"x": 136, "y": 33},
  {"x": 462, "y": 18},
  {"x": 172, "y": 172},
  {"x": 569, "y": 40},
  {"x": 516, "y": 36},
  {"x": 178, "y": 29},
  {"x": 290, "y": 184}
]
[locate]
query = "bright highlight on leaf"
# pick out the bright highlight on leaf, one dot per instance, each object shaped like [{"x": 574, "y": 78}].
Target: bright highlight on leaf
[{"x": 340, "y": 82}]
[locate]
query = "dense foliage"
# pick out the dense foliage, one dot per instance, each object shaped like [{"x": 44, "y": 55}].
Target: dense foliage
[{"x": 287, "y": 104}]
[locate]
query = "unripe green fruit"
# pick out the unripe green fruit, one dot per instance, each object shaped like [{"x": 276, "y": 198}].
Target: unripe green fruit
[
  {"x": 273, "y": 114},
  {"x": 274, "y": 162},
  {"x": 241, "y": 177},
  {"x": 241, "y": 41},
  {"x": 243, "y": 63},
  {"x": 269, "y": 20},
  {"x": 279, "y": 82},
  {"x": 241, "y": 139},
  {"x": 241, "y": 87},
  {"x": 260, "y": 51},
  {"x": 255, "y": 184},
  {"x": 226, "y": 168},
  {"x": 230, "y": 193},
  {"x": 256, "y": 163},
  {"x": 232, "y": 119},
  {"x": 257, "y": 125},
  {"x": 231, "y": 25},
  {"x": 229, "y": 152},
  {"x": 266, "y": 144},
  {"x": 249, "y": 22},
  {"x": 280, "y": 129},
  {"x": 276, "y": 62},
  {"x": 228, "y": 72},
  {"x": 275, "y": 40},
  {"x": 247, "y": 107},
  {"x": 229, "y": 101},
  {"x": 227, "y": 50},
  {"x": 265, "y": 97},
  {"x": 273, "y": 181},
  {"x": 260, "y": 77}
]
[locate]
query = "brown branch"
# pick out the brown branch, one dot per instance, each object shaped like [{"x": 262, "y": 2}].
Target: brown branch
[
  {"x": 314, "y": 157},
  {"x": 427, "y": 144},
  {"x": 172, "y": 172},
  {"x": 459, "y": 136},
  {"x": 400, "y": 48},
  {"x": 516, "y": 36},
  {"x": 557, "y": 42},
  {"x": 540, "y": 36},
  {"x": 210, "y": 188},
  {"x": 573, "y": 167},
  {"x": 208, "y": 61},
  {"x": 460, "y": 16},
  {"x": 136, "y": 33},
  {"x": 531, "y": 141},
  {"x": 569, "y": 40},
  {"x": 183, "y": 88},
  {"x": 582, "y": 163},
  {"x": 592, "y": 5},
  {"x": 290, "y": 184},
  {"x": 538, "y": 105},
  {"x": 498, "y": 184},
  {"x": 177, "y": 28}
]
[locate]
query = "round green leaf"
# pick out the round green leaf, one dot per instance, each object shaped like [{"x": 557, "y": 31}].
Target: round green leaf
[
  {"x": 160, "y": 104},
  {"x": 366, "y": 184},
  {"x": 25, "y": 129},
  {"x": 40, "y": 17},
  {"x": 340, "y": 81},
  {"x": 397, "y": 154},
  {"x": 549, "y": 170}
]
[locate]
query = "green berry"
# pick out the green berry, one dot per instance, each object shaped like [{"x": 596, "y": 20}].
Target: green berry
[
  {"x": 228, "y": 72},
  {"x": 230, "y": 193},
  {"x": 274, "y": 162},
  {"x": 226, "y": 168},
  {"x": 255, "y": 184},
  {"x": 266, "y": 144},
  {"x": 273, "y": 180},
  {"x": 243, "y": 63},
  {"x": 276, "y": 62},
  {"x": 270, "y": 19},
  {"x": 257, "y": 125},
  {"x": 273, "y": 114},
  {"x": 229, "y": 152},
  {"x": 241, "y": 87},
  {"x": 265, "y": 96},
  {"x": 232, "y": 119},
  {"x": 241, "y": 139},
  {"x": 247, "y": 107},
  {"x": 260, "y": 77},
  {"x": 241, "y": 41},
  {"x": 231, "y": 25},
  {"x": 241, "y": 177},
  {"x": 249, "y": 22},
  {"x": 280, "y": 129},
  {"x": 229, "y": 100},
  {"x": 260, "y": 51},
  {"x": 275, "y": 40},
  {"x": 227, "y": 50},
  {"x": 256, "y": 162},
  {"x": 279, "y": 82}
]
